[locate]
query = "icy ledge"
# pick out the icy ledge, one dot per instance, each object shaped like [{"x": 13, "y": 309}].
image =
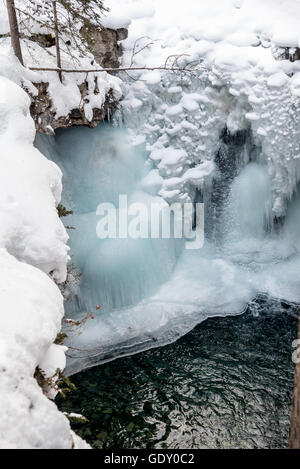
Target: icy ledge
[{"x": 32, "y": 249}]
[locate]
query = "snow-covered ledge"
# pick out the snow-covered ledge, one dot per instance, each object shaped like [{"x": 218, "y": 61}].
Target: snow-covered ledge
[
  {"x": 81, "y": 99},
  {"x": 32, "y": 250}
]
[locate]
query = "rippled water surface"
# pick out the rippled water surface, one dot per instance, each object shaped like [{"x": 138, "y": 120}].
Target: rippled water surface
[{"x": 227, "y": 384}]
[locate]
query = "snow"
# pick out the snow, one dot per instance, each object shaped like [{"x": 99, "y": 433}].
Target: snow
[
  {"x": 198, "y": 174},
  {"x": 295, "y": 84},
  {"x": 277, "y": 80},
  {"x": 35, "y": 236},
  {"x": 32, "y": 250},
  {"x": 243, "y": 81},
  {"x": 121, "y": 15},
  {"x": 116, "y": 21},
  {"x": 153, "y": 182}
]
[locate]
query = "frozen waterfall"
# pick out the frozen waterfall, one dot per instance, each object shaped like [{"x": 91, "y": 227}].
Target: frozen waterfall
[{"x": 152, "y": 291}]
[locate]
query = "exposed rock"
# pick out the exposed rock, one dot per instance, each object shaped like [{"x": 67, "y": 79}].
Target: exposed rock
[
  {"x": 292, "y": 54},
  {"x": 105, "y": 46},
  {"x": 45, "y": 40},
  {"x": 46, "y": 121},
  {"x": 287, "y": 53}
]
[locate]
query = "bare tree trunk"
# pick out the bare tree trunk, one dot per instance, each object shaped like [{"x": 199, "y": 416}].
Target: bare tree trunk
[
  {"x": 14, "y": 29},
  {"x": 58, "y": 59},
  {"x": 294, "y": 440}
]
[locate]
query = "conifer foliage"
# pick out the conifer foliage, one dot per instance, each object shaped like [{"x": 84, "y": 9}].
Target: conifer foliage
[{"x": 70, "y": 22}]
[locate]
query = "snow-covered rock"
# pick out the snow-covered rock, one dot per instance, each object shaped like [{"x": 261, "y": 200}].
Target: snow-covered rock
[{"x": 80, "y": 99}]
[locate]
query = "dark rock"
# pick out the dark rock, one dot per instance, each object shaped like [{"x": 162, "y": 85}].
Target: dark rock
[
  {"x": 290, "y": 53},
  {"x": 295, "y": 55},
  {"x": 44, "y": 40}
]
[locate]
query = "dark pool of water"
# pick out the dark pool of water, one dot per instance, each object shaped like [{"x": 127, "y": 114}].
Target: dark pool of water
[{"x": 226, "y": 384}]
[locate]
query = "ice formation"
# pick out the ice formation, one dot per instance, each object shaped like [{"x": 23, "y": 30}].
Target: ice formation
[
  {"x": 228, "y": 136},
  {"x": 242, "y": 84},
  {"x": 151, "y": 291}
]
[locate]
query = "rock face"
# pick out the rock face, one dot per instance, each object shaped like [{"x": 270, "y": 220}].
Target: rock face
[
  {"x": 106, "y": 47},
  {"x": 46, "y": 121}
]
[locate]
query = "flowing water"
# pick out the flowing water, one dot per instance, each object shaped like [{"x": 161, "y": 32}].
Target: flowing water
[{"x": 226, "y": 384}]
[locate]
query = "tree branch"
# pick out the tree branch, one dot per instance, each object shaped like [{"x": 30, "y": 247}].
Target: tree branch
[{"x": 121, "y": 69}]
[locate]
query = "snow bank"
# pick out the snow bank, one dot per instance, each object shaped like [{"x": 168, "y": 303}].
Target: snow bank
[
  {"x": 245, "y": 83},
  {"x": 35, "y": 236},
  {"x": 32, "y": 249}
]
